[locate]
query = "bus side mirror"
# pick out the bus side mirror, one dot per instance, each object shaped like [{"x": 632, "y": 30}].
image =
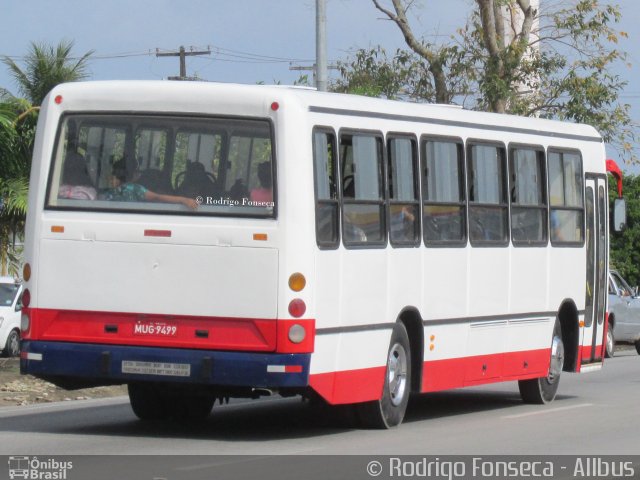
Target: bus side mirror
[{"x": 619, "y": 214}]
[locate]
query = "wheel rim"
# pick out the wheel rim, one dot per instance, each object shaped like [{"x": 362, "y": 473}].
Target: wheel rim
[
  {"x": 397, "y": 374},
  {"x": 557, "y": 359},
  {"x": 609, "y": 341}
]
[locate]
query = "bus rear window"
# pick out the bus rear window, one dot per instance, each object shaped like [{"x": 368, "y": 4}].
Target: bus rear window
[{"x": 163, "y": 164}]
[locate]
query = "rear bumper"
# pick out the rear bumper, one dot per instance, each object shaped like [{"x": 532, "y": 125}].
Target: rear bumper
[{"x": 105, "y": 364}]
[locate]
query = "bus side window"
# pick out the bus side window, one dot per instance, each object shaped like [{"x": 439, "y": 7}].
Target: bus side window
[
  {"x": 528, "y": 196},
  {"x": 404, "y": 204},
  {"x": 326, "y": 189},
  {"x": 566, "y": 200},
  {"x": 443, "y": 194},
  {"x": 363, "y": 206},
  {"x": 486, "y": 169}
]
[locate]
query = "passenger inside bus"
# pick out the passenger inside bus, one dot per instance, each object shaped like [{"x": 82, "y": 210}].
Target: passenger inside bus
[
  {"x": 124, "y": 190},
  {"x": 196, "y": 181},
  {"x": 76, "y": 183},
  {"x": 263, "y": 193}
]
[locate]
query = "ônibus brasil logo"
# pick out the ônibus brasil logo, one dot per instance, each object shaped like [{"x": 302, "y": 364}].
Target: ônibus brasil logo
[{"x": 32, "y": 468}]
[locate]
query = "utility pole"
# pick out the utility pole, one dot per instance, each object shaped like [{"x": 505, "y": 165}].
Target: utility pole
[
  {"x": 308, "y": 69},
  {"x": 321, "y": 45},
  {"x": 182, "y": 53}
]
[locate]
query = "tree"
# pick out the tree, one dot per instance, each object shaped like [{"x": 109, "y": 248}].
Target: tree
[
  {"x": 512, "y": 58},
  {"x": 625, "y": 246},
  {"x": 561, "y": 69},
  {"x": 17, "y": 131},
  {"x": 46, "y": 67}
]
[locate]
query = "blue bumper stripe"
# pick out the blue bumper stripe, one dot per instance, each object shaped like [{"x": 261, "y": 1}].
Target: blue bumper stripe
[{"x": 105, "y": 362}]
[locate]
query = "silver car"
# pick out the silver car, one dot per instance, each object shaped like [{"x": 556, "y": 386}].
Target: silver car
[{"x": 624, "y": 313}]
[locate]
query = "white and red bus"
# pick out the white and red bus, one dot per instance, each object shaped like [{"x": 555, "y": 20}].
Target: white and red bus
[{"x": 343, "y": 247}]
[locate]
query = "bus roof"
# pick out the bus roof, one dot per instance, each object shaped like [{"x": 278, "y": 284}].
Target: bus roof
[{"x": 191, "y": 96}]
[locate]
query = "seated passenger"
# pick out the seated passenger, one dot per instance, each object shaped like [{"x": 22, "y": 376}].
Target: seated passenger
[
  {"x": 196, "y": 181},
  {"x": 76, "y": 183},
  {"x": 265, "y": 192},
  {"x": 124, "y": 191}
]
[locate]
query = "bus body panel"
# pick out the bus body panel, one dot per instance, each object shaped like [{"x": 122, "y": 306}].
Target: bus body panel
[
  {"x": 150, "y": 278},
  {"x": 487, "y": 313}
]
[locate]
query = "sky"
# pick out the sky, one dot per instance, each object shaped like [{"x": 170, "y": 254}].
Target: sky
[{"x": 250, "y": 40}]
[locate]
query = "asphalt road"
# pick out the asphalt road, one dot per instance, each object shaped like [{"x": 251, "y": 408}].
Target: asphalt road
[{"x": 594, "y": 413}]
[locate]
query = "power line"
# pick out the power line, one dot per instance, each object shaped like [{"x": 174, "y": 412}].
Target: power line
[{"x": 182, "y": 53}]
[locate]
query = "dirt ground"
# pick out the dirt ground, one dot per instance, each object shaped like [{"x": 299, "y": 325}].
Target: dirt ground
[{"x": 16, "y": 389}]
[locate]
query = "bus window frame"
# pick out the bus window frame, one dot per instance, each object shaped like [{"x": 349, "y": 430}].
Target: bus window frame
[
  {"x": 462, "y": 179},
  {"x": 417, "y": 201},
  {"x": 504, "y": 205},
  {"x": 132, "y": 129},
  {"x": 334, "y": 245},
  {"x": 382, "y": 202},
  {"x": 567, "y": 244},
  {"x": 545, "y": 194}
]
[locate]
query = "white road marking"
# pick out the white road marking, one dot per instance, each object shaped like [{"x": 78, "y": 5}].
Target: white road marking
[{"x": 549, "y": 410}]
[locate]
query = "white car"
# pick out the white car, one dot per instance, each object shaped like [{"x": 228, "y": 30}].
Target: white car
[{"x": 10, "y": 307}]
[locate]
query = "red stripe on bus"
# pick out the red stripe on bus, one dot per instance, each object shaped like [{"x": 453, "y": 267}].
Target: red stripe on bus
[
  {"x": 354, "y": 386},
  {"x": 468, "y": 371},
  {"x": 215, "y": 333},
  {"x": 349, "y": 386},
  {"x": 585, "y": 353}
]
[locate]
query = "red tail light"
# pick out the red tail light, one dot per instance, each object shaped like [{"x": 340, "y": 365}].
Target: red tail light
[
  {"x": 297, "y": 307},
  {"x": 26, "y": 298}
]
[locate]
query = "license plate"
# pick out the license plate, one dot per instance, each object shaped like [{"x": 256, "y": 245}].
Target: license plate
[
  {"x": 156, "y": 368},
  {"x": 155, "y": 329}
]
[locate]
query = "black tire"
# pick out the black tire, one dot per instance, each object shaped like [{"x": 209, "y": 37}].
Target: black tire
[
  {"x": 638, "y": 346},
  {"x": 155, "y": 402},
  {"x": 610, "y": 346},
  {"x": 12, "y": 347},
  {"x": 543, "y": 390},
  {"x": 390, "y": 409}
]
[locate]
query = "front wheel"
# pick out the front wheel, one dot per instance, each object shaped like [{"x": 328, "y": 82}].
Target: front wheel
[
  {"x": 610, "y": 343},
  {"x": 543, "y": 390},
  {"x": 390, "y": 409}
]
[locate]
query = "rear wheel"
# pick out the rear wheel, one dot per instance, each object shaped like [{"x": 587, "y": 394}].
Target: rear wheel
[
  {"x": 543, "y": 390},
  {"x": 12, "y": 347},
  {"x": 611, "y": 342},
  {"x": 155, "y": 402},
  {"x": 390, "y": 409},
  {"x": 638, "y": 346}
]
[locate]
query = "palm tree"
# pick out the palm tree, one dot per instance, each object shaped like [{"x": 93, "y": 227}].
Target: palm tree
[
  {"x": 17, "y": 129},
  {"x": 46, "y": 67},
  {"x": 13, "y": 193}
]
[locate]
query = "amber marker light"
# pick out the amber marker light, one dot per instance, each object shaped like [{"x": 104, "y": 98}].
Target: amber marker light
[
  {"x": 581, "y": 323},
  {"x": 26, "y": 272},
  {"x": 57, "y": 229},
  {"x": 297, "y": 282},
  {"x": 260, "y": 237}
]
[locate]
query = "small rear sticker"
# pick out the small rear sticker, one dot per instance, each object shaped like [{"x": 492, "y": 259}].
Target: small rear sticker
[{"x": 156, "y": 368}]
